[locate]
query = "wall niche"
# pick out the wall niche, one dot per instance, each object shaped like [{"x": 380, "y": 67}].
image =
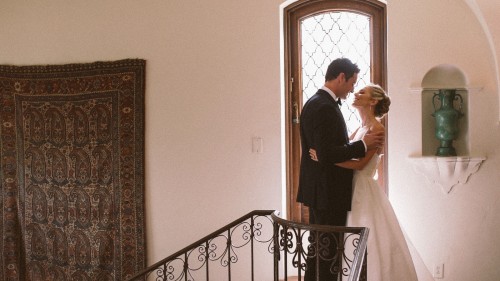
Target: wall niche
[
  {"x": 449, "y": 170},
  {"x": 444, "y": 77}
]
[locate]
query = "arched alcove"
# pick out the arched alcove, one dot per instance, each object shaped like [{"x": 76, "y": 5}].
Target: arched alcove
[
  {"x": 451, "y": 170},
  {"x": 444, "y": 76}
]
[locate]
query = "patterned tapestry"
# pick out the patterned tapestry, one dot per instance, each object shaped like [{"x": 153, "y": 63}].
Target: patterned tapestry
[{"x": 72, "y": 171}]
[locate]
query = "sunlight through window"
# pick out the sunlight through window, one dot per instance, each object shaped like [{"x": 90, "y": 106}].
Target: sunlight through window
[{"x": 332, "y": 35}]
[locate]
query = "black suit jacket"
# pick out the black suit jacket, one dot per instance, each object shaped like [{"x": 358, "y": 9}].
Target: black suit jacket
[{"x": 322, "y": 184}]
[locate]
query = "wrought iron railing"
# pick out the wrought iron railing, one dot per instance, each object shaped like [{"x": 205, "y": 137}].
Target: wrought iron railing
[
  {"x": 341, "y": 250},
  {"x": 251, "y": 240}
]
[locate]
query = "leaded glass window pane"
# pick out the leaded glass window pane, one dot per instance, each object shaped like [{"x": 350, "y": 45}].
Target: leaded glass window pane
[{"x": 332, "y": 35}]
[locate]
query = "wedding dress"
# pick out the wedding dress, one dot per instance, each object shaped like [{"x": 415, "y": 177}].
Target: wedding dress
[{"x": 389, "y": 257}]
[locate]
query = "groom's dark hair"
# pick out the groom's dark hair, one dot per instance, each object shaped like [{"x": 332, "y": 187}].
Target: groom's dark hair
[{"x": 341, "y": 65}]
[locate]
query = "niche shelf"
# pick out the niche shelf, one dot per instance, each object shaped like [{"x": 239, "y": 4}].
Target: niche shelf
[{"x": 445, "y": 171}]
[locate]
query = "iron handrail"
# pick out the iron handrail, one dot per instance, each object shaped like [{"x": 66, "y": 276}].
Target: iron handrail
[
  {"x": 191, "y": 246},
  {"x": 358, "y": 264},
  {"x": 278, "y": 243}
]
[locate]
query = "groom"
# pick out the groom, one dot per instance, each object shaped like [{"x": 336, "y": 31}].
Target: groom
[{"x": 324, "y": 187}]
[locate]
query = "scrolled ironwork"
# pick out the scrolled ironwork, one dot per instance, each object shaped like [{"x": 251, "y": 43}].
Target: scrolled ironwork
[
  {"x": 258, "y": 228},
  {"x": 343, "y": 248},
  {"x": 354, "y": 243}
]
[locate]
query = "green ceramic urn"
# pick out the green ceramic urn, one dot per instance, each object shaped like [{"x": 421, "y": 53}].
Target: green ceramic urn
[{"x": 447, "y": 120}]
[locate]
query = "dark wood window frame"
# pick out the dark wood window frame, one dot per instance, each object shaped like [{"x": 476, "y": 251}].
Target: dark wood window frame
[{"x": 293, "y": 14}]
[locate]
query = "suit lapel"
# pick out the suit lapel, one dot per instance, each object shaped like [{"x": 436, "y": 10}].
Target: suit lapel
[{"x": 340, "y": 118}]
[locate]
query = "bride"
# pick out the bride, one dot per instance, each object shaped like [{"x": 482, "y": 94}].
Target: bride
[{"x": 388, "y": 256}]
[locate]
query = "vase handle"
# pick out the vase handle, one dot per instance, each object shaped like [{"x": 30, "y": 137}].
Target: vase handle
[
  {"x": 433, "y": 102},
  {"x": 460, "y": 105}
]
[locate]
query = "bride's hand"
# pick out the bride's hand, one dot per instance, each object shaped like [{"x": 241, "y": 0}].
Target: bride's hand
[{"x": 313, "y": 155}]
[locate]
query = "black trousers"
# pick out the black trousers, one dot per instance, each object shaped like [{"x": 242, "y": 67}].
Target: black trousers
[{"x": 322, "y": 250}]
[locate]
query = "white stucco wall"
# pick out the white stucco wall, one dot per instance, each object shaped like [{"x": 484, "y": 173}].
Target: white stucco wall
[
  {"x": 458, "y": 229},
  {"x": 213, "y": 83}
]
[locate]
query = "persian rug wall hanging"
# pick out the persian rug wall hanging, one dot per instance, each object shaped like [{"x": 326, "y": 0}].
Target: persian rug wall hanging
[{"x": 72, "y": 171}]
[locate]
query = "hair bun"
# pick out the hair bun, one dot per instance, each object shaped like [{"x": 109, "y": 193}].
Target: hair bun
[{"x": 382, "y": 106}]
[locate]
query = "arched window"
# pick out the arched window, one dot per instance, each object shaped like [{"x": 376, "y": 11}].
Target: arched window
[{"x": 315, "y": 33}]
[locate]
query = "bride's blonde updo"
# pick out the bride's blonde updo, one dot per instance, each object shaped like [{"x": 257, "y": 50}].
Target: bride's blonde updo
[{"x": 382, "y": 106}]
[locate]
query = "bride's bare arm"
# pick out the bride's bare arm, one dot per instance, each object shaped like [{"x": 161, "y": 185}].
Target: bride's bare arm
[
  {"x": 353, "y": 164},
  {"x": 358, "y": 164},
  {"x": 353, "y": 134}
]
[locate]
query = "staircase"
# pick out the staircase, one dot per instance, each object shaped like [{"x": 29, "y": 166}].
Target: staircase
[{"x": 261, "y": 246}]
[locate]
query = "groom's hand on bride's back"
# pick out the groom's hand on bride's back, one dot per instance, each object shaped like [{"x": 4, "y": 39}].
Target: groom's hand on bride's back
[{"x": 374, "y": 139}]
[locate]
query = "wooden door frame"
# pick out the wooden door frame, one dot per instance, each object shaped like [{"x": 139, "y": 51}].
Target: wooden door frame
[{"x": 292, "y": 84}]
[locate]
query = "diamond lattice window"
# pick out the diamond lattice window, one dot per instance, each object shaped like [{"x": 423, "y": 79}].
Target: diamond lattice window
[{"x": 332, "y": 35}]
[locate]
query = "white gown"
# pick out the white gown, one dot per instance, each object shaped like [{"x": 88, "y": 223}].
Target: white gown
[{"x": 389, "y": 257}]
